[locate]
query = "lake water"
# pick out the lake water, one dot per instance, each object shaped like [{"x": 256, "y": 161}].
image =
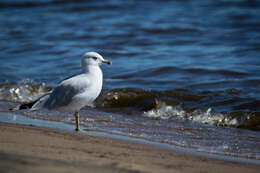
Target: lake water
[{"x": 184, "y": 72}]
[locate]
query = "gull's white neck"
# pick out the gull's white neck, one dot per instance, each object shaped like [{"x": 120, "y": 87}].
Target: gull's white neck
[
  {"x": 94, "y": 70},
  {"x": 94, "y": 76}
]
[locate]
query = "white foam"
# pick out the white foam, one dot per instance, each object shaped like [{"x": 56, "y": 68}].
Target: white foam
[
  {"x": 23, "y": 91},
  {"x": 203, "y": 116}
]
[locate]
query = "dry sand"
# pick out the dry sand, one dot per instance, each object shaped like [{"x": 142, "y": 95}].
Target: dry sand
[{"x": 34, "y": 149}]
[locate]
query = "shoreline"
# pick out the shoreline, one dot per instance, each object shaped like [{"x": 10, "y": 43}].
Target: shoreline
[
  {"x": 8, "y": 117},
  {"x": 29, "y": 148},
  {"x": 14, "y": 118}
]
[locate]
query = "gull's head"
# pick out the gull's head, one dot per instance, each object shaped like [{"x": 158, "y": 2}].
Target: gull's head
[{"x": 93, "y": 58}]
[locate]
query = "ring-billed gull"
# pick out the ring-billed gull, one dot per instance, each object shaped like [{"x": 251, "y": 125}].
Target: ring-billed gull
[{"x": 76, "y": 92}]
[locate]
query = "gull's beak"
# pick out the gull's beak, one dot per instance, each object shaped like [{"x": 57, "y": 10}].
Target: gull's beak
[{"x": 107, "y": 62}]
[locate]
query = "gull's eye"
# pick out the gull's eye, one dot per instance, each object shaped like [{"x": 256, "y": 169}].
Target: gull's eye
[{"x": 95, "y": 58}]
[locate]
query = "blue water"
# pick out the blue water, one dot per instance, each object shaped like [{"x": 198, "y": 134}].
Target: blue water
[
  {"x": 172, "y": 60},
  {"x": 205, "y": 44}
]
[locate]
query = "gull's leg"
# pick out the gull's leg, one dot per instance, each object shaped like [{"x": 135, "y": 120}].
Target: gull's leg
[{"x": 77, "y": 121}]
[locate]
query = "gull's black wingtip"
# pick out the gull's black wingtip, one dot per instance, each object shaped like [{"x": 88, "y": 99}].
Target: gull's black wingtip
[{"x": 23, "y": 106}]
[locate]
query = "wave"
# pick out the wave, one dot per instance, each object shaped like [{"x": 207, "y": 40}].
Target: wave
[
  {"x": 39, "y": 3},
  {"x": 180, "y": 104},
  {"x": 166, "y": 70},
  {"x": 207, "y": 116},
  {"x": 171, "y": 30},
  {"x": 22, "y": 92},
  {"x": 24, "y": 3}
]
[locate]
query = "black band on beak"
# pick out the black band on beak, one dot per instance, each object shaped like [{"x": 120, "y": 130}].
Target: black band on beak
[{"x": 107, "y": 62}]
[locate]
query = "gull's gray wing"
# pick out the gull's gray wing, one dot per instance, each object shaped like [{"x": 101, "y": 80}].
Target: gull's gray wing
[
  {"x": 39, "y": 103},
  {"x": 63, "y": 94}
]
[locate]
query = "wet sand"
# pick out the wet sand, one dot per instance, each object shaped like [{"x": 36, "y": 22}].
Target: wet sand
[{"x": 36, "y": 149}]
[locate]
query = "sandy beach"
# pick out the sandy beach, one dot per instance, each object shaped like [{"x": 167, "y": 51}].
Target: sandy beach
[{"x": 35, "y": 149}]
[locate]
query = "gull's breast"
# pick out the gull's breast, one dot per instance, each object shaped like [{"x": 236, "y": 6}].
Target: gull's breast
[{"x": 86, "y": 96}]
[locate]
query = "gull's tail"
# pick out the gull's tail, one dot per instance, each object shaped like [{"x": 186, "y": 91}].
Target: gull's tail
[
  {"x": 25, "y": 106},
  {"x": 34, "y": 105}
]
